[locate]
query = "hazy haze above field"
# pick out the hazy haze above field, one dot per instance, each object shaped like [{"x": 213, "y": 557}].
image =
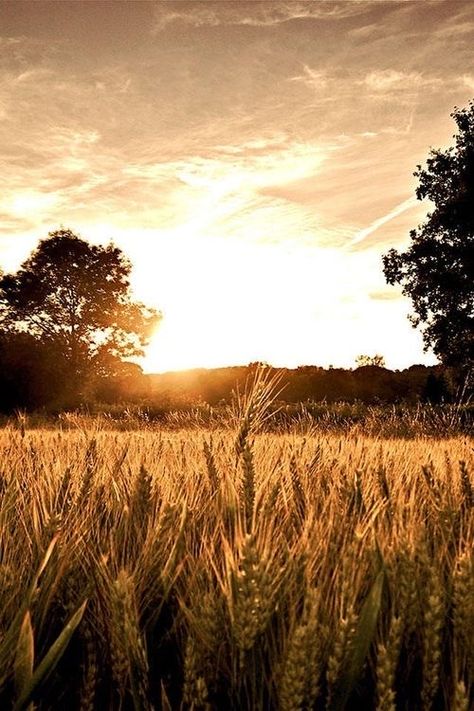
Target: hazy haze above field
[{"x": 254, "y": 159}]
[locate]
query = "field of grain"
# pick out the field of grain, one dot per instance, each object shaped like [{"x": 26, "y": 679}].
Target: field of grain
[{"x": 235, "y": 569}]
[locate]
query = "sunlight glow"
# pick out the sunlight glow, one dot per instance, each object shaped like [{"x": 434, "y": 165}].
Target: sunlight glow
[
  {"x": 228, "y": 302},
  {"x": 253, "y": 184},
  {"x": 31, "y": 202}
]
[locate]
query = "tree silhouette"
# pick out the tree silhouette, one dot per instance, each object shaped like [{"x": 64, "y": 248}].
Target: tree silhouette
[
  {"x": 437, "y": 270},
  {"x": 365, "y": 360},
  {"x": 74, "y": 298}
]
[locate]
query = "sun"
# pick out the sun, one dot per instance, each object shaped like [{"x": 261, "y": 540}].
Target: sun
[
  {"x": 230, "y": 303},
  {"x": 204, "y": 298}
]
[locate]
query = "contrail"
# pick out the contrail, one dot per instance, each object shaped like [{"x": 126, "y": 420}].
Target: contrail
[{"x": 402, "y": 207}]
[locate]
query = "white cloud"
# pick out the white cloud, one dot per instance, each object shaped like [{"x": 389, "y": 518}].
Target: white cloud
[
  {"x": 22, "y": 204},
  {"x": 392, "y": 80}
]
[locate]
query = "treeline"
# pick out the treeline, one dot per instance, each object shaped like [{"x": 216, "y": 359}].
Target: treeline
[
  {"x": 69, "y": 327},
  {"x": 369, "y": 384},
  {"x": 35, "y": 376}
]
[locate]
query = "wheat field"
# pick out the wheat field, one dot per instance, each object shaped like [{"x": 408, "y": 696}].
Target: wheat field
[{"x": 235, "y": 569}]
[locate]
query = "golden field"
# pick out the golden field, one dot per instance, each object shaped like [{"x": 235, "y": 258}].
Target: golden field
[{"x": 235, "y": 568}]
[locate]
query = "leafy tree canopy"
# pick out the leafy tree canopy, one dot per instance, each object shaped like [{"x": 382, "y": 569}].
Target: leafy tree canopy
[
  {"x": 437, "y": 270},
  {"x": 75, "y": 297},
  {"x": 366, "y": 360}
]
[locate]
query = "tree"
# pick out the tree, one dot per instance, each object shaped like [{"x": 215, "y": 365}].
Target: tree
[
  {"x": 74, "y": 298},
  {"x": 363, "y": 361},
  {"x": 436, "y": 390},
  {"x": 437, "y": 270}
]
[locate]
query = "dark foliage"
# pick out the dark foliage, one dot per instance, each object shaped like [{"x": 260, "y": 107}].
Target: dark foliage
[
  {"x": 32, "y": 374},
  {"x": 71, "y": 302},
  {"x": 437, "y": 270},
  {"x": 368, "y": 384}
]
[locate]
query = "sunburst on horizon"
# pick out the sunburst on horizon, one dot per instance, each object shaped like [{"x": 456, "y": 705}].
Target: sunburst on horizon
[{"x": 254, "y": 160}]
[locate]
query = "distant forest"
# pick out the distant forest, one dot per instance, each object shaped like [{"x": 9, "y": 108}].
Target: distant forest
[
  {"x": 68, "y": 338},
  {"x": 29, "y": 382},
  {"x": 369, "y": 384}
]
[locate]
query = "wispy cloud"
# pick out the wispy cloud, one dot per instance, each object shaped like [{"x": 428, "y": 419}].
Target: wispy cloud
[
  {"x": 279, "y": 134},
  {"x": 467, "y": 80},
  {"x": 256, "y": 14},
  {"x": 388, "y": 80},
  {"x": 386, "y": 295},
  {"x": 457, "y": 27},
  {"x": 312, "y": 78},
  {"x": 379, "y": 222},
  {"x": 230, "y": 192}
]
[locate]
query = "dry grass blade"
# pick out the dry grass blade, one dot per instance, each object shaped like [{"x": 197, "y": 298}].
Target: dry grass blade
[
  {"x": 24, "y": 657},
  {"x": 50, "y": 660},
  {"x": 171, "y": 567},
  {"x": 11, "y": 635},
  {"x": 466, "y": 486},
  {"x": 44, "y": 562},
  {"x": 165, "y": 702},
  {"x": 211, "y": 466}
]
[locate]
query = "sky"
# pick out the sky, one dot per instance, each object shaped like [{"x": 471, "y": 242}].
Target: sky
[{"x": 253, "y": 159}]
